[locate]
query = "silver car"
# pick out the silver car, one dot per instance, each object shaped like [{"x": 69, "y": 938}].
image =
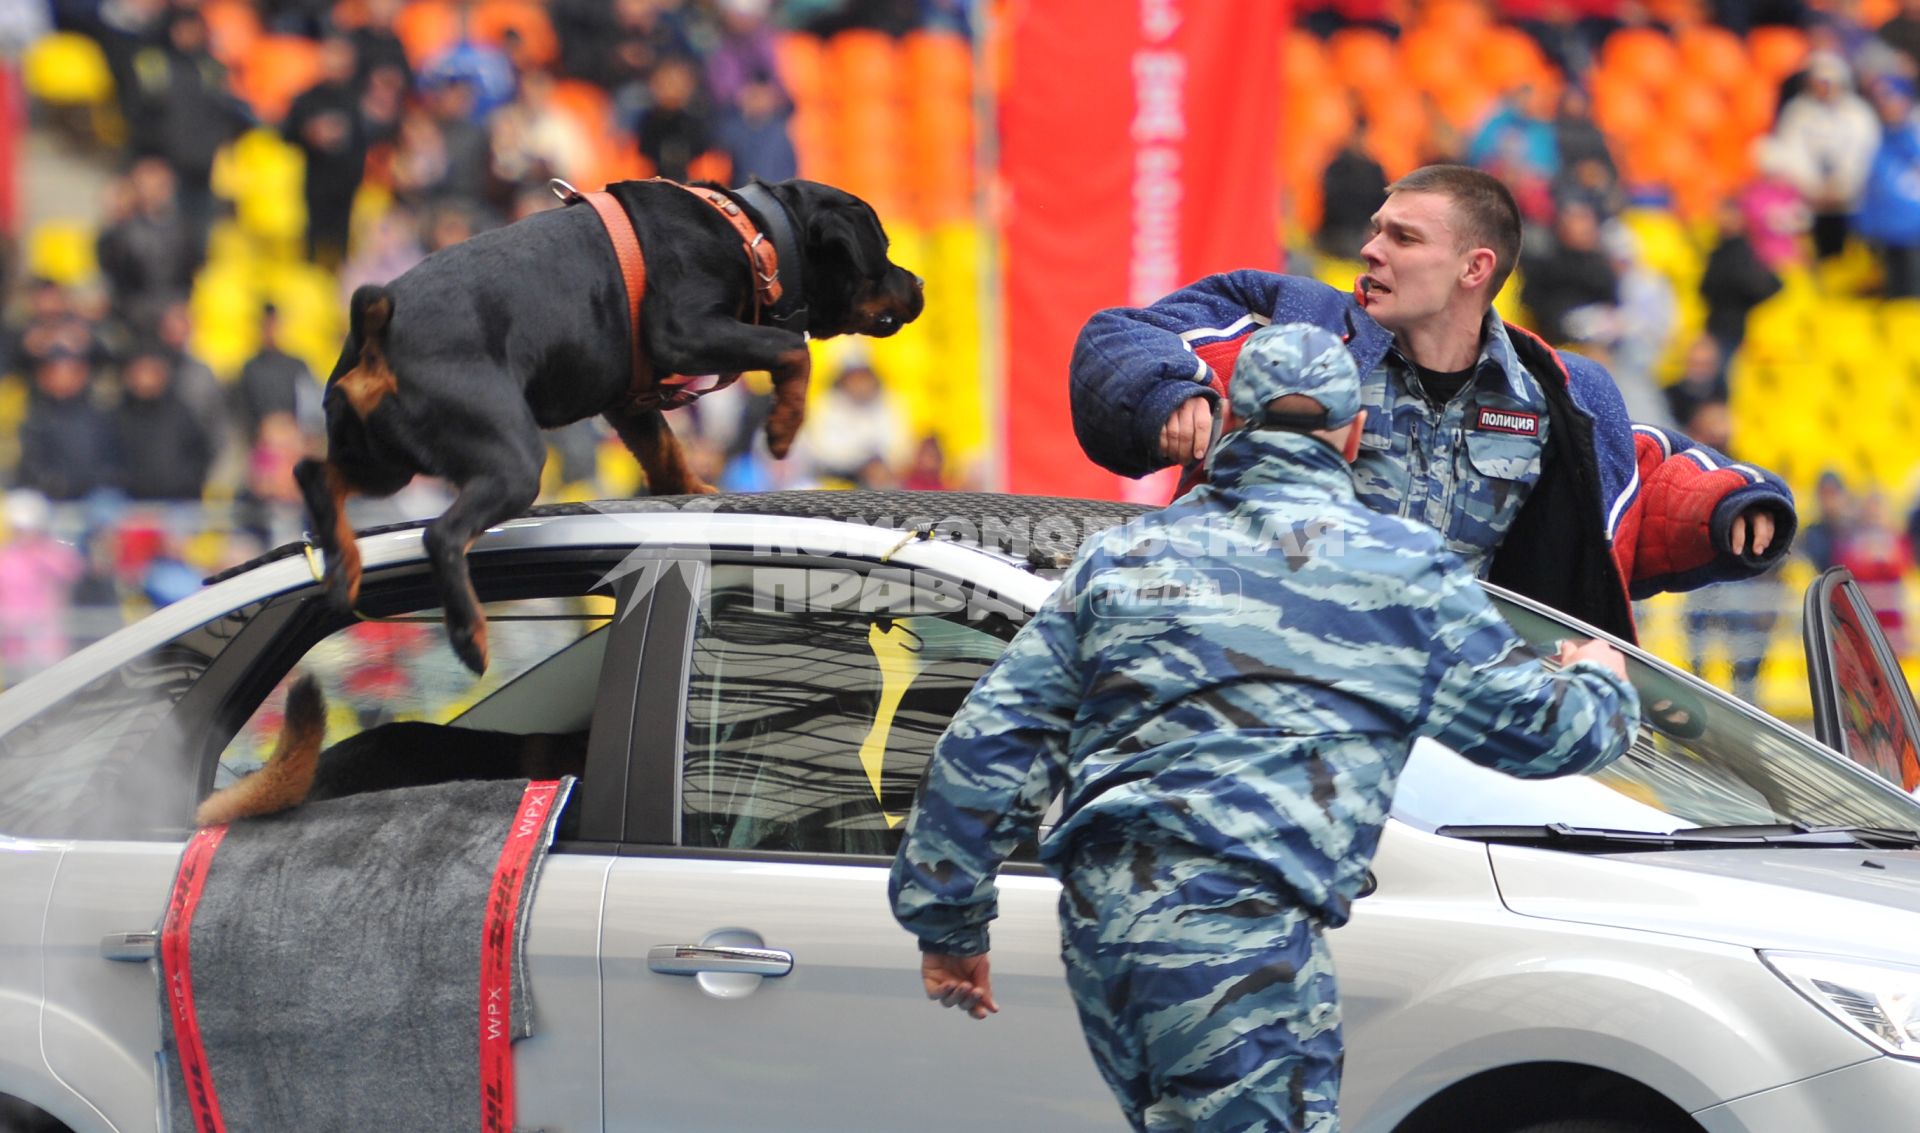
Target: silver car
[{"x": 1717, "y": 933}]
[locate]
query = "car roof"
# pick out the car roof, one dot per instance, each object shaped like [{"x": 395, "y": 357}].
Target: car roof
[{"x": 1043, "y": 532}]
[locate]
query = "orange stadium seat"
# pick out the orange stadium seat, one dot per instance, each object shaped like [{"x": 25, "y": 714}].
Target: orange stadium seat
[
  {"x": 233, "y": 27},
  {"x": 539, "y": 46},
  {"x": 1715, "y": 54},
  {"x": 426, "y": 28},
  {"x": 1434, "y": 63},
  {"x": 1391, "y": 115},
  {"x": 814, "y": 142},
  {"x": 1642, "y": 54},
  {"x": 1466, "y": 103},
  {"x": 1304, "y": 61},
  {"x": 1321, "y": 122},
  {"x": 940, "y": 63},
  {"x": 277, "y": 69},
  {"x": 799, "y": 59},
  {"x": 863, "y": 65},
  {"x": 1694, "y": 104},
  {"x": 1460, "y": 21},
  {"x": 1507, "y": 57},
  {"x": 1776, "y": 50},
  {"x": 1363, "y": 57},
  {"x": 1750, "y": 107},
  {"x": 1623, "y": 109},
  {"x": 1398, "y": 155},
  {"x": 586, "y": 101}
]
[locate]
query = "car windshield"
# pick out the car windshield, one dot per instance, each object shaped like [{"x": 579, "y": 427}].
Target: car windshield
[{"x": 1700, "y": 759}]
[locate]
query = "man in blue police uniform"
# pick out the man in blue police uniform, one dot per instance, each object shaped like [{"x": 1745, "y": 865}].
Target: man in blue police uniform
[
  {"x": 1522, "y": 456},
  {"x": 1223, "y": 694}
]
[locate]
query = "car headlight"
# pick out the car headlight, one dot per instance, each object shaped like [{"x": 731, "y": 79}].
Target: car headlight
[{"x": 1879, "y": 1002}]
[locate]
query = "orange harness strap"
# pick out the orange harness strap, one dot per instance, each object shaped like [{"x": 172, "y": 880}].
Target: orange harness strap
[
  {"x": 761, "y": 257},
  {"x": 673, "y": 390}
]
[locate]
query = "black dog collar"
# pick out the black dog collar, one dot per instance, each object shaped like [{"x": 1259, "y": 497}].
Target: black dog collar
[{"x": 790, "y": 313}]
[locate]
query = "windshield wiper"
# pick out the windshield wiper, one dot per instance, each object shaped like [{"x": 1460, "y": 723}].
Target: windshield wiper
[{"x": 1559, "y": 836}]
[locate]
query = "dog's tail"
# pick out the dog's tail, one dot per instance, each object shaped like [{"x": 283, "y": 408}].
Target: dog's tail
[{"x": 288, "y": 773}]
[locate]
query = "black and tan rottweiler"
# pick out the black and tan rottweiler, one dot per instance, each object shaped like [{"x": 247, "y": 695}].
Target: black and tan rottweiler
[
  {"x": 407, "y": 753},
  {"x": 454, "y": 368}
]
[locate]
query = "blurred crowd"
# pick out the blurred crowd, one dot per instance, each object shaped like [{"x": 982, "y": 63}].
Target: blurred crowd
[
  {"x": 1838, "y": 172},
  {"x": 134, "y": 469}
]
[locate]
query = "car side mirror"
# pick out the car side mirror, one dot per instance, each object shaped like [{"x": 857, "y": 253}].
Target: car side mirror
[{"x": 1862, "y": 707}]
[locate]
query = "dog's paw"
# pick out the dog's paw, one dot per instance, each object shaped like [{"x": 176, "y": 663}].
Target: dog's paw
[
  {"x": 470, "y": 647},
  {"x": 780, "y": 435}
]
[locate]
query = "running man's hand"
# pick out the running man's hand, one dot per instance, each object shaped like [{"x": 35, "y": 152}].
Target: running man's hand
[
  {"x": 959, "y": 981},
  {"x": 1600, "y": 651},
  {"x": 1760, "y": 520},
  {"x": 1186, "y": 435}
]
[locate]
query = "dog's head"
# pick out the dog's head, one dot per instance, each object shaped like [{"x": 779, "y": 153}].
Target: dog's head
[{"x": 852, "y": 288}]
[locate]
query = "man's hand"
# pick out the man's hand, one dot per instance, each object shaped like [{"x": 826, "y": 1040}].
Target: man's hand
[
  {"x": 1759, "y": 521},
  {"x": 959, "y": 981},
  {"x": 1185, "y": 436},
  {"x": 1600, "y": 651}
]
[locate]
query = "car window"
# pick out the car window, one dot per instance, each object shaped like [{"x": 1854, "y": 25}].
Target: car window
[
  {"x": 1699, "y": 759},
  {"x": 814, "y": 699},
  {"x": 100, "y": 762},
  {"x": 543, "y": 665}
]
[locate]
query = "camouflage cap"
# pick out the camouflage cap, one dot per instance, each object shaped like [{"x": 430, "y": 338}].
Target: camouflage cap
[{"x": 1295, "y": 358}]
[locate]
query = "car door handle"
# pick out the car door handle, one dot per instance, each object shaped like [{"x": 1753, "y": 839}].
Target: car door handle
[
  {"x": 693, "y": 959},
  {"x": 133, "y": 947}
]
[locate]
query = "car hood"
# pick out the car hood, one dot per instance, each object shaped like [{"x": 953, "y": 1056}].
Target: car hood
[{"x": 1852, "y": 902}]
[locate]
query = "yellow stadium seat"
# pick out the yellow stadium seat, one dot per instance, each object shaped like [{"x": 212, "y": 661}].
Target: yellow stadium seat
[
  {"x": 67, "y": 69},
  {"x": 263, "y": 176},
  {"x": 226, "y": 320},
  {"x": 61, "y": 250}
]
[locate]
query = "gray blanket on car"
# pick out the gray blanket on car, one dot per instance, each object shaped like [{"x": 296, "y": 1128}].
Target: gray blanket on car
[{"x": 334, "y": 960}]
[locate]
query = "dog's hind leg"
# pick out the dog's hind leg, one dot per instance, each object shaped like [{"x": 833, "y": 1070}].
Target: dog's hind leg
[
  {"x": 506, "y": 488},
  {"x": 650, "y": 439}
]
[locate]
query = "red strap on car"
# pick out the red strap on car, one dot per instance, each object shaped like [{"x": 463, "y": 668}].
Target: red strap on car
[
  {"x": 496, "y": 956},
  {"x": 175, "y": 949}
]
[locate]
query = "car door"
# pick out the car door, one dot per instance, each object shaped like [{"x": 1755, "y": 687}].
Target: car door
[
  {"x": 754, "y": 976},
  {"x": 1862, "y": 706},
  {"x": 554, "y": 644}
]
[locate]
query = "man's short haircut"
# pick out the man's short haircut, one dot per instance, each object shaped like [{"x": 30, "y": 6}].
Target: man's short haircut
[{"x": 1484, "y": 212}]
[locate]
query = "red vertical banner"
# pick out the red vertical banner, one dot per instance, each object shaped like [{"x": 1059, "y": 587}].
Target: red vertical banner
[{"x": 1136, "y": 155}]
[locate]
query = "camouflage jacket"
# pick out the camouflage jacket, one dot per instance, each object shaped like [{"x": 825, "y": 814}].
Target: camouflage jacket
[
  {"x": 1612, "y": 509},
  {"x": 1244, "y": 671},
  {"x": 1463, "y": 467}
]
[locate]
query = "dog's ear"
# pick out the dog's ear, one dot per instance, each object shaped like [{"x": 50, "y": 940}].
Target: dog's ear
[{"x": 851, "y": 231}]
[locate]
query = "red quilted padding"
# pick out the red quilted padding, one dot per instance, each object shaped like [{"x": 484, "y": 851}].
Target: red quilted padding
[{"x": 1674, "y": 513}]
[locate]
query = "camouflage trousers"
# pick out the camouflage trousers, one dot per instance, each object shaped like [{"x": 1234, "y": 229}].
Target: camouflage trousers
[{"x": 1207, "y": 998}]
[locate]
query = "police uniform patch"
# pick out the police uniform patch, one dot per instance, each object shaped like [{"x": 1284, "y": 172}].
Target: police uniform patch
[{"x": 1508, "y": 421}]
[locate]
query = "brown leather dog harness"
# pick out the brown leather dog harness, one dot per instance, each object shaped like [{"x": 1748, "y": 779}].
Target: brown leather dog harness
[{"x": 674, "y": 390}]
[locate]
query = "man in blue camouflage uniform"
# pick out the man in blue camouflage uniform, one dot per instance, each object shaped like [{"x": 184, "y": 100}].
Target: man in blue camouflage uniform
[
  {"x": 1521, "y": 455},
  {"x": 1223, "y": 694}
]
